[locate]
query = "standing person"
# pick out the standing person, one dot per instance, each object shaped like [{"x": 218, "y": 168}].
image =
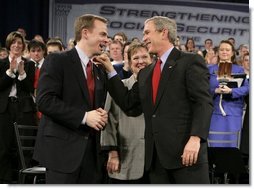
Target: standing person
[
  {"x": 4, "y": 53},
  {"x": 71, "y": 94},
  {"x": 177, "y": 118},
  {"x": 120, "y": 36},
  {"x": 116, "y": 52},
  {"x": 16, "y": 102},
  {"x": 54, "y": 45},
  {"x": 228, "y": 100},
  {"x": 123, "y": 69},
  {"x": 37, "y": 51},
  {"x": 208, "y": 46},
  {"x": 123, "y": 136}
]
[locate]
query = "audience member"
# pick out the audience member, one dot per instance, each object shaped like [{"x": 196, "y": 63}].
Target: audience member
[
  {"x": 209, "y": 57},
  {"x": 4, "y": 53},
  {"x": 243, "y": 49},
  {"x": 39, "y": 38},
  {"x": 116, "y": 52},
  {"x": 177, "y": 117},
  {"x": 71, "y": 94},
  {"x": 190, "y": 46},
  {"x": 23, "y": 32},
  {"x": 177, "y": 43},
  {"x": 228, "y": 100},
  {"x": 71, "y": 44},
  {"x": 232, "y": 41},
  {"x": 17, "y": 105},
  {"x": 54, "y": 45},
  {"x": 208, "y": 46},
  {"x": 123, "y": 69},
  {"x": 37, "y": 50},
  {"x": 120, "y": 36},
  {"x": 135, "y": 39},
  {"x": 123, "y": 136}
]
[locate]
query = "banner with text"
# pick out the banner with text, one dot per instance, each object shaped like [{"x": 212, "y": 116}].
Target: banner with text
[{"x": 197, "y": 22}]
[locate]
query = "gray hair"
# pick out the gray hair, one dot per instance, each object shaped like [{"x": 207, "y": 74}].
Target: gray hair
[{"x": 162, "y": 22}]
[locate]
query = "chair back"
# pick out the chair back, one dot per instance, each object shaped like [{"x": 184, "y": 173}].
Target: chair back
[{"x": 26, "y": 136}]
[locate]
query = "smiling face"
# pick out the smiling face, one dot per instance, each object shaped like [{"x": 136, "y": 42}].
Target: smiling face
[
  {"x": 225, "y": 52},
  {"x": 140, "y": 58},
  {"x": 16, "y": 47},
  {"x": 151, "y": 37},
  {"x": 96, "y": 38}
]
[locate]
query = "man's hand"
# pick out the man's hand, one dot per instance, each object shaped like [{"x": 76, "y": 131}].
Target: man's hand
[
  {"x": 104, "y": 60},
  {"x": 97, "y": 119},
  {"x": 190, "y": 152}
]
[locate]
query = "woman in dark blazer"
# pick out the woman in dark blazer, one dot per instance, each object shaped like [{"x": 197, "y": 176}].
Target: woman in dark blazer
[{"x": 17, "y": 105}]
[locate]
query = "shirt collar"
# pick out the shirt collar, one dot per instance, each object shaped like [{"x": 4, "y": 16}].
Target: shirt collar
[
  {"x": 83, "y": 57},
  {"x": 165, "y": 55}
]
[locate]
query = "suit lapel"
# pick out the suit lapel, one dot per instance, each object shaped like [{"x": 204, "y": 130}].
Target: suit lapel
[
  {"x": 78, "y": 69},
  {"x": 167, "y": 73}
]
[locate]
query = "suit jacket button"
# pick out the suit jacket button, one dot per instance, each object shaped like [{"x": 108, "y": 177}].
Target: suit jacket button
[{"x": 153, "y": 115}]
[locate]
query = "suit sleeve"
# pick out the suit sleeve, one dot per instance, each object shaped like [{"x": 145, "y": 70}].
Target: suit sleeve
[
  {"x": 197, "y": 78},
  {"x": 127, "y": 100}
]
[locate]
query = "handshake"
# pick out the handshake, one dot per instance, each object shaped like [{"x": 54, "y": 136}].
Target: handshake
[{"x": 97, "y": 119}]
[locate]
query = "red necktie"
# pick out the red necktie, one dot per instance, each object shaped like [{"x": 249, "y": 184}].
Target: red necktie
[
  {"x": 36, "y": 75},
  {"x": 156, "y": 78},
  {"x": 90, "y": 81}
]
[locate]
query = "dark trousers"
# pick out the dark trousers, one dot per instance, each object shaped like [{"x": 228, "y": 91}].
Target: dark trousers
[
  {"x": 9, "y": 163},
  {"x": 195, "y": 174},
  {"x": 87, "y": 173}
]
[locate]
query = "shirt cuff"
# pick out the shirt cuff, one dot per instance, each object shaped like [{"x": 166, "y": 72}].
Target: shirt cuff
[
  {"x": 84, "y": 119},
  {"x": 10, "y": 73},
  {"x": 22, "y": 77},
  {"x": 112, "y": 74}
]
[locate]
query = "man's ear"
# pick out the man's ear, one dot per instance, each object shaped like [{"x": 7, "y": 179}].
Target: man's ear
[{"x": 84, "y": 33}]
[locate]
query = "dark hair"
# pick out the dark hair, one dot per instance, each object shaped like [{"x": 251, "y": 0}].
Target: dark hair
[
  {"x": 35, "y": 43},
  {"x": 189, "y": 39},
  {"x": 122, "y": 34},
  {"x": 233, "y": 60}
]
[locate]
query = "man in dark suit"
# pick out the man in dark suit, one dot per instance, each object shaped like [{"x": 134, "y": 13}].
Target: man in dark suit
[
  {"x": 177, "y": 120},
  {"x": 16, "y": 102},
  {"x": 69, "y": 131},
  {"x": 208, "y": 46}
]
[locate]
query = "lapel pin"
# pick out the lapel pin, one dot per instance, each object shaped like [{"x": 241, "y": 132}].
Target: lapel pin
[{"x": 170, "y": 67}]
